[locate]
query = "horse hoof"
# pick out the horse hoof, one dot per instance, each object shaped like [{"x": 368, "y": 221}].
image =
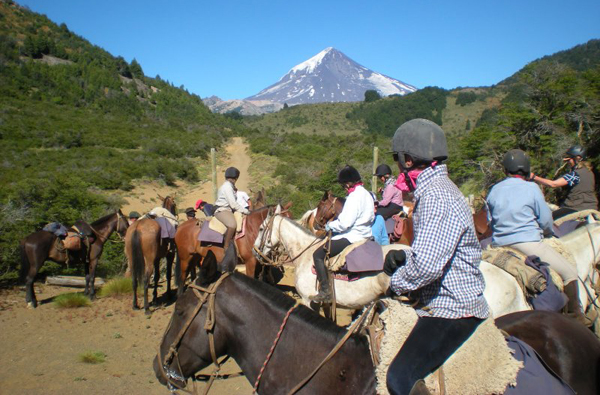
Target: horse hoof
[
  {"x": 31, "y": 305},
  {"x": 136, "y": 308}
]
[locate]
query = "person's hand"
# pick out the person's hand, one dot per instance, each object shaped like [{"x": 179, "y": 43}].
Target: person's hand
[
  {"x": 531, "y": 176},
  {"x": 393, "y": 260}
]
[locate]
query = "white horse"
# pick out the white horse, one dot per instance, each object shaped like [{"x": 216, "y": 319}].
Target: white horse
[{"x": 502, "y": 291}]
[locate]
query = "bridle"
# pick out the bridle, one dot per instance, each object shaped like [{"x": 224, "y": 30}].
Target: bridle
[
  {"x": 104, "y": 238},
  {"x": 329, "y": 211},
  {"x": 266, "y": 235},
  {"x": 205, "y": 295}
]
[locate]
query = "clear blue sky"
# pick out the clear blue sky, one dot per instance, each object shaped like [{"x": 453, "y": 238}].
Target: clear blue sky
[{"x": 233, "y": 49}]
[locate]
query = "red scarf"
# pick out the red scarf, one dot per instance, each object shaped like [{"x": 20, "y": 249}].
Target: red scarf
[{"x": 352, "y": 188}]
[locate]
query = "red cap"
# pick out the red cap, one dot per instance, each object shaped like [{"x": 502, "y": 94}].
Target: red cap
[{"x": 198, "y": 203}]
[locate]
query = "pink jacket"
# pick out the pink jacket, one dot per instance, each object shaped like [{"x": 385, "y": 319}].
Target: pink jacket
[{"x": 391, "y": 194}]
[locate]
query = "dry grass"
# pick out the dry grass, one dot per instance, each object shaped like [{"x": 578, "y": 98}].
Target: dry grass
[
  {"x": 116, "y": 286},
  {"x": 71, "y": 300},
  {"x": 92, "y": 357}
]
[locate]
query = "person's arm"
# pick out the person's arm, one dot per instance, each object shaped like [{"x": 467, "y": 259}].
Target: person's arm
[
  {"x": 559, "y": 182},
  {"x": 347, "y": 217},
  {"x": 433, "y": 247},
  {"x": 388, "y": 194},
  {"x": 232, "y": 202},
  {"x": 543, "y": 212}
]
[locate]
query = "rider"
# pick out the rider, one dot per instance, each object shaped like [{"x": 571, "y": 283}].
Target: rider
[
  {"x": 226, "y": 204},
  {"x": 391, "y": 200},
  {"x": 579, "y": 182},
  {"x": 519, "y": 217},
  {"x": 207, "y": 208},
  {"x": 441, "y": 269},
  {"x": 190, "y": 213},
  {"x": 352, "y": 225},
  {"x": 244, "y": 200},
  {"x": 133, "y": 216},
  {"x": 378, "y": 229}
]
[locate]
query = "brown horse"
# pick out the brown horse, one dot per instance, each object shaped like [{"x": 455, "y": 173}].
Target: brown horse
[
  {"x": 190, "y": 251},
  {"x": 570, "y": 350},
  {"x": 41, "y": 246},
  {"x": 262, "y": 344},
  {"x": 144, "y": 248},
  {"x": 482, "y": 228}
]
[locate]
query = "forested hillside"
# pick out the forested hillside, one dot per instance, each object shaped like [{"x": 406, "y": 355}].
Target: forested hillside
[
  {"x": 78, "y": 124},
  {"x": 549, "y": 105}
]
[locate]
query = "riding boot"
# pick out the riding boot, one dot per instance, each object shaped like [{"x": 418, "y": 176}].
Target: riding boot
[
  {"x": 228, "y": 237},
  {"x": 325, "y": 294},
  {"x": 419, "y": 389},
  {"x": 574, "y": 305}
]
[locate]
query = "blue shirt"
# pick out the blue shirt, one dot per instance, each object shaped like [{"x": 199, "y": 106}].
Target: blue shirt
[
  {"x": 379, "y": 233},
  {"x": 517, "y": 212},
  {"x": 442, "y": 265}
]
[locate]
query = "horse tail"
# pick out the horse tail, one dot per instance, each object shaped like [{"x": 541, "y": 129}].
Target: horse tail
[
  {"x": 137, "y": 257},
  {"x": 24, "y": 262}
]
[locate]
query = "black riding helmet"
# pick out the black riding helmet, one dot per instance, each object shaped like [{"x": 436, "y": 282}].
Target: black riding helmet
[
  {"x": 576, "y": 150},
  {"x": 382, "y": 170},
  {"x": 516, "y": 161},
  {"x": 134, "y": 214},
  {"x": 232, "y": 172},
  {"x": 423, "y": 140},
  {"x": 348, "y": 174}
]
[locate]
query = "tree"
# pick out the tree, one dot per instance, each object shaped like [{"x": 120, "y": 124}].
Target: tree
[
  {"x": 285, "y": 106},
  {"x": 371, "y": 96},
  {"x": 136, "y": 69}
]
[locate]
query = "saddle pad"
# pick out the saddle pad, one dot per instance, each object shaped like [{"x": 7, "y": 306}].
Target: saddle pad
[
  {"x": 167, "y": 230},
  {"x": 217, "y": 225},
  {"x": 390, "y": 224},
  {"x": 208, "y": 235},
  {"x": 482, "y": 365},
  {"x": 72, "y": 241},
  {"x": 337, "y": 262},
  {"x": 363, "y": 256},
  {"x": 565, "y": 228},
  {"x": 161, "y": 212}
]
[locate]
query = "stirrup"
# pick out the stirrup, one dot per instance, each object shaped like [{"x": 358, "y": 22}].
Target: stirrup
[{"x": 322, "y": 297}]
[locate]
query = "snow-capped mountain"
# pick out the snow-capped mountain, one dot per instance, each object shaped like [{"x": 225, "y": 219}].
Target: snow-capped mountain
[{"x": 330, "y": 76}]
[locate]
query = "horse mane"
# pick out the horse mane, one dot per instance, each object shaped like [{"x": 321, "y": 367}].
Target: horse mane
[
  {"x": 102, "y": 220},
  {"x": 278, "y": 300},
  {"x": 298, "y": 226}
]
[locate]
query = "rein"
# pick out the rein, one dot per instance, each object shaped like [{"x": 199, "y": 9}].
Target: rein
[{"x": 204, "y": 295}]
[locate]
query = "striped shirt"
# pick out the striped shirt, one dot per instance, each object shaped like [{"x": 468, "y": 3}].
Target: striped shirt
[{"x": 442, "y": 266}]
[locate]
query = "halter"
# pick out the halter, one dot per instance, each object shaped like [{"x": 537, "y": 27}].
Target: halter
[
  {"x": 204, "y": 295},
  {"x": 330, "y": 210}
]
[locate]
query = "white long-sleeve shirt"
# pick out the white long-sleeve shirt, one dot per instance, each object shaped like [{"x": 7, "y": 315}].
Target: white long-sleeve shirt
[
  {"x": 357, "y": 216},
  {"x": 227, "y": 199}
]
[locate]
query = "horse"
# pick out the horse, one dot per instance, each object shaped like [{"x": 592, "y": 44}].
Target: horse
[
  {"x": 144, "y": 248},
  {"x": 480, "y": 220},
  {"x": 569, "y": 349},
  {"x": 329, "y": 208},
  {"x": 502, "y": 291},
  {"x": 216, "y": 316},
  {"x": 40, "y": 246},
  {"x": 190, "y": 251}
]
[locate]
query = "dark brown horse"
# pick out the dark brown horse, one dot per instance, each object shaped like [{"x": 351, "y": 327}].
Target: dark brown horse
[
  {"x": 144, "y": 248},
  {"x": 41, "y": 246},
  {"x": 570, "y": 350},
  {"x": 239, "y": 332},
  {"x": 190, "y": 251}
]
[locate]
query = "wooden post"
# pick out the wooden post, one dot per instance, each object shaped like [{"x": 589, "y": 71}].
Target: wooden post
[
  {"x": 213, "y": 159},
  {"x": 375, "y": 161}
]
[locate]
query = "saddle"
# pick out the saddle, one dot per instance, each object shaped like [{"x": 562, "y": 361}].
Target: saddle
[
  {"x": 396, "y": 225},
  {"x": 363, "y": 256},
  {"x": 213, "y": 230},
  {"x": 57, "y": 228},
  {"x": 485, "y": 355}
]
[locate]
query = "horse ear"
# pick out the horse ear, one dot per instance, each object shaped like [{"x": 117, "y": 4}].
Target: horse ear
[
  {"x": 288, "y": 205},
  {"x": 325, "y": 195},
  {"x": 208, "y": 270},
  {"x": 278, "y": 209}
]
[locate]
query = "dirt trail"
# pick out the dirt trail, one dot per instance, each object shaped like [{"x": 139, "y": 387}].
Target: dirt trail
[{"x": 145, "y": 196}]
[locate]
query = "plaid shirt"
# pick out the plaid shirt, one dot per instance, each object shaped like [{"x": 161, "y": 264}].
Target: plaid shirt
[
  {"x": 442, "y": 267},
  {"x": 572, "y": 178}
]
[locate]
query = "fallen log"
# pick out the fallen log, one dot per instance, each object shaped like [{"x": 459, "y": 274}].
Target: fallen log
[{"x": 72, "y": 281}]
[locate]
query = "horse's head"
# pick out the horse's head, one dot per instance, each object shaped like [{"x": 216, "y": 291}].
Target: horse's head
[
  {"x": 329, "y": 208},
  {"x": 169, "y": 204},
  {"x": 185, "y": 347},
  {"x": 267, "y": 239},
  {"x": 122, "y": 223}
]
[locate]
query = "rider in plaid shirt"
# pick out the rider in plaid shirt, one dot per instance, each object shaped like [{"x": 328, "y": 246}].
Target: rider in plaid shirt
[{"x": 442, "y": 267}]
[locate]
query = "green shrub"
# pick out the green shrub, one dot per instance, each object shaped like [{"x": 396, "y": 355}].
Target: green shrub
[
  {"x": 92, "y": 357},
  {"x": 116, "y": 286}
]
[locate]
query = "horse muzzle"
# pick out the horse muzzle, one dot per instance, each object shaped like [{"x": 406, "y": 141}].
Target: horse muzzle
[{"x": 168, "y": 377}]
